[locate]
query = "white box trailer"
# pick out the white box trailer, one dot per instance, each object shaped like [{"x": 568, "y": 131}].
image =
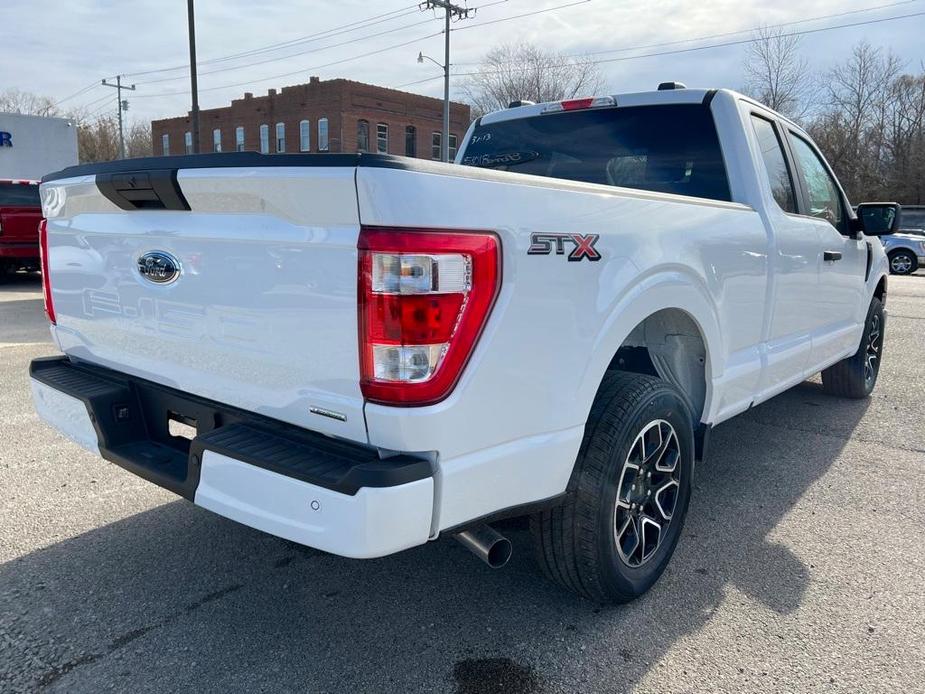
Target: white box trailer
[{"x": 32, "y": 146}]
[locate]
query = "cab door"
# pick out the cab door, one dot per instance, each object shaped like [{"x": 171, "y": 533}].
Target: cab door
[
  {"x": 787, "y": 343},
  {"x": 838, "y": 307}
]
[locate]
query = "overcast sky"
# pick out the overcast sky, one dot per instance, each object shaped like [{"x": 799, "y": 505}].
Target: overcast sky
[{"x": 56, "y": 48}]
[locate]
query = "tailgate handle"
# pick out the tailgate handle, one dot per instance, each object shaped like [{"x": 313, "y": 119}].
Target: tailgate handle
[{"x": 153, "y": 189}]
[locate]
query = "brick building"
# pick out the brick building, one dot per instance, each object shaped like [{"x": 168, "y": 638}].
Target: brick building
[{"x": 331, "y": 116}]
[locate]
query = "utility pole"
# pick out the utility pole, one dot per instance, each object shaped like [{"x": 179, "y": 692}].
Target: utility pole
[
  {"x": 194, "y": 85},
  {"x": 123, "y": 106},
  {"x": 452, "y": 12}
]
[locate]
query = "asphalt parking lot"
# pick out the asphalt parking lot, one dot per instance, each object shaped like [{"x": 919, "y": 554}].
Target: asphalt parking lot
[{"x": 800, "y": 569}]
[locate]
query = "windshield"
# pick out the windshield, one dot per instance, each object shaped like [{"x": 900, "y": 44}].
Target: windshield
[
  {"x": 668, "y": 149},
  {"x": 19, "y": 194}
]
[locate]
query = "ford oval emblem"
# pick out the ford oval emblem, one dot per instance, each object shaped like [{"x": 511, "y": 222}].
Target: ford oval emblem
[{"x": 159, "y": 267}]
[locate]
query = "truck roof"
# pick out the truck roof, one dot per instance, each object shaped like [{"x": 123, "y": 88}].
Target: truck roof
[{"x": 675, "y": 95}]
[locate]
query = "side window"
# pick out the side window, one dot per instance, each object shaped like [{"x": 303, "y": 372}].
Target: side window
[
  {"x": 322, "y": 134},
  {"x": 824, "y": 198},
  {"x": 772, "y": 153},
  {"x": 362, "y": 136},
  {"x": 305, "y": 136},
  {"x": 280, "y": 137},
  {"x": 411, "y": 146},
  {"x": 264, "y": 139}
]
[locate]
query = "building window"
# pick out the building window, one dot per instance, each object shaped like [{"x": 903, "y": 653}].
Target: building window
[
  {"x": 411, "y": 141},
  {"x": 280, "y": 137},
  {"x": 323, "y": 134},
  {"x": 188, "y": 141},
  {"x": 217, "y": 140},
  {"x": 264, "y": 139},
  {"x": 362, "y": 136},
  {"x": 239, "y": 138},
  {"x": 453, "y": 141},
  {"x": 305, "y": 136},
  {"x": 382, "y": 138},
  {"x": 165, "y": 144},
  {"x": 436, "y": 146}
]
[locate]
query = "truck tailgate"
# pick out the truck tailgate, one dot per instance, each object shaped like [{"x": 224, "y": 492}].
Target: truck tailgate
[
  {"x": 20, "y": 225},
  {"x": 262, "y": 315}
]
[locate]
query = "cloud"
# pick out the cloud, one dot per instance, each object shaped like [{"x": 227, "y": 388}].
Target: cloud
[{"x": 59, "y": 48}]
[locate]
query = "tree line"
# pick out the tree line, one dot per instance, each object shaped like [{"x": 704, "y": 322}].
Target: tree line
[{"x": 867, "y": 113}]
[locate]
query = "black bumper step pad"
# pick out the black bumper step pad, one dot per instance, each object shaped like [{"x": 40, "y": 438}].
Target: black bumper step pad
[{"x": 131, "y": 416}]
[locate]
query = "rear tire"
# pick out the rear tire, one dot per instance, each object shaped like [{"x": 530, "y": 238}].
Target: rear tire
[
  {"x": 856, "y": 376},
  {"x": 627, "y": 500},
  {"x": 903, "y": 262}
]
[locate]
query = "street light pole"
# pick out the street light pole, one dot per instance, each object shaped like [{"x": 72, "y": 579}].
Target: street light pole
[
  {"x": 451, "y": 11},
  {"x": 445, "y": 153},
  {"x": 194, "y": 86}
]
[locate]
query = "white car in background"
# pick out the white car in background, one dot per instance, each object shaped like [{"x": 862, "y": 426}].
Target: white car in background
[{"x": 906, "y": 248}]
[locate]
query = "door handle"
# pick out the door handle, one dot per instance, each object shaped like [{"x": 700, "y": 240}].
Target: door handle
[{"x": 831, "y": 256}]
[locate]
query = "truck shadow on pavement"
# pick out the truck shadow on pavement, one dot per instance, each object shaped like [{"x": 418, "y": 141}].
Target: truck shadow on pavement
[{"x": 177, "y": 598}]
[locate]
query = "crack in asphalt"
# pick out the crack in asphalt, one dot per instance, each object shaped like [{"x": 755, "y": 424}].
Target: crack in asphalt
[{"x": 52, "y": 675}]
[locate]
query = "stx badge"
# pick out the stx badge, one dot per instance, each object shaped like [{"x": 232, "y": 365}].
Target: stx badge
[{"x": 543, "y": 244}]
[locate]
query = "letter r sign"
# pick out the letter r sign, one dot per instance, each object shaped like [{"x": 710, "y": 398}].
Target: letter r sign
[{"x": 6, "y": 139}]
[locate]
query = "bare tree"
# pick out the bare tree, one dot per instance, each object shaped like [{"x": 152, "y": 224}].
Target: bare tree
[
  {"x": 858, "y": 100},
  {"x": 776, "y": 74},
  {"x": 98, "y": 139},
  {"x": 27, "y": 103},
  {"x": 517, "y": 71}
]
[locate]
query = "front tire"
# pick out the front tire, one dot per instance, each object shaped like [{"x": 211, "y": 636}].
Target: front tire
[
  {"x": 855, "y": 376},
  {"x": 626, "y": 503},
  {"x": 903, "y": 262}
]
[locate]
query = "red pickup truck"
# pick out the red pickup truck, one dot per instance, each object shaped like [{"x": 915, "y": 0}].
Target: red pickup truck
[{"x": 20, "y": 214}]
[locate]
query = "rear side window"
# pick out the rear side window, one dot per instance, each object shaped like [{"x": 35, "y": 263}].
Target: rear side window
[
  {"x": 772, "y": 153},
  {"x": 912, "y": 220},
  {"x": 668, "y": 149},
  {"x": 19, "y": 194}
]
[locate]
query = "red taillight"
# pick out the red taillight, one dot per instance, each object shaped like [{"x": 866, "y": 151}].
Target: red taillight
[
  {"x": 423, "y": 298},
  {"x": 46, "y": 280}
]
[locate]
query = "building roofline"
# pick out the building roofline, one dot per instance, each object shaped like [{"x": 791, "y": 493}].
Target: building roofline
[{"x": 279, "y": 91}]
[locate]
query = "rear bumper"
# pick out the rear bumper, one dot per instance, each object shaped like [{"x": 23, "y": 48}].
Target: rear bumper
[{"x": 328, "y": 494}]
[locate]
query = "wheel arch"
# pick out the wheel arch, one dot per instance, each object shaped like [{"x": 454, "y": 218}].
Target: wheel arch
[{"x": 668, "y": 305}]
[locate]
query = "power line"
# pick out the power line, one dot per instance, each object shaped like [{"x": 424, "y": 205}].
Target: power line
[
  {"x": 343, "y": 28},
  {"x": 83, "y": 90},
  {"x": 697, "y": 48},
  {"x": 521, "y": 16},
  {"x": 300, "y": 71},
  {"x": 320, "y": 48},
  {"x": 733, "y": 33},
  {"x": 292, "y": 55},
  {"x": 89, "y": 104}
]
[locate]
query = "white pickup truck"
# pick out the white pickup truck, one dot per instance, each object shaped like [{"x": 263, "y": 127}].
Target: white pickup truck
[{"x": 361, "y": 353}]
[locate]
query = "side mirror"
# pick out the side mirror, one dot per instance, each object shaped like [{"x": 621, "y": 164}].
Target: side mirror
[{"x": 877, "y": 218}]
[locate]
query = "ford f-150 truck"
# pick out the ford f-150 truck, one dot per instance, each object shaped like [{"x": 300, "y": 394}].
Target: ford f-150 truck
[
  {"x": 20, "y": 214},
  {"x": 362, "y": 353}
]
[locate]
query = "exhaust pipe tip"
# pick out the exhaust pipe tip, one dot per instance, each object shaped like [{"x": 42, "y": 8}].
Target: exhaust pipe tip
[{"x": 487, "y": 544}]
